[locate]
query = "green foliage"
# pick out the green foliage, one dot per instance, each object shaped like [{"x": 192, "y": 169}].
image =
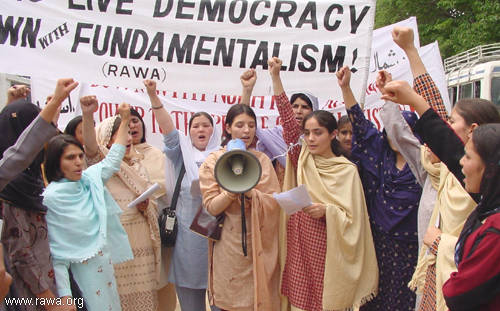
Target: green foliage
[{"x": 457, "y": 25}]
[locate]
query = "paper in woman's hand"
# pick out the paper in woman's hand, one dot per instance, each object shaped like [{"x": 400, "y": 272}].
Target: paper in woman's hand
[
  {"x": 293, "y": 200},
  {"x": 145, "y": 195}
]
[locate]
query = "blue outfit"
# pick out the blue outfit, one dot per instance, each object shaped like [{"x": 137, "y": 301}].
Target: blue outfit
[
  {"x": 189, "y": 265},
  {"x": 392, "y": 198},
  {"x": 85, "y": 233}
]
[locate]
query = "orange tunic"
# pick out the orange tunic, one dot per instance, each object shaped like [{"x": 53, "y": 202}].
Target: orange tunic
[{"x": 237, "y": 282}]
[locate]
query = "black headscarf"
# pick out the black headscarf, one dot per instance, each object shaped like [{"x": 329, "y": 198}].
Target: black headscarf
[
  {"x": 24, "y": 191},
  {"x": 486, "y": 139}
]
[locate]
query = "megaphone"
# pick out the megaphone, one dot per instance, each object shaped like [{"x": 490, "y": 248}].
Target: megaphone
[{"x": 237, "y": 170}]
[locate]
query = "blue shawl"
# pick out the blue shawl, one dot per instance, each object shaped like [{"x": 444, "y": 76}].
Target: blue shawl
[{"x": 82, "y": 216}]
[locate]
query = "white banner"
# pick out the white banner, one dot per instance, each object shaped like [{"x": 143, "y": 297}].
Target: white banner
[
  {"x": 192, "y": 46},
  {"x": 182, "y": 104}
]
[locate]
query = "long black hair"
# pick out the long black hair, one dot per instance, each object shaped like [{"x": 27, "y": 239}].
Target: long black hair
[
  {"x": 55, "y": 149},
  {"x": 327, "y": 120},
  {"x": 232, "y": 113},
  {"x": 486, "y": 142}
]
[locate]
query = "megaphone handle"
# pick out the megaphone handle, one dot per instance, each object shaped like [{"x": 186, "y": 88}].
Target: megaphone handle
[{"x": 243, "y": 226}]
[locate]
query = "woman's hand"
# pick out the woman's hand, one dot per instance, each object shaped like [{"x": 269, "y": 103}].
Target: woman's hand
[
  {"x": 431, "y": 235},
  {"x": 143, "y": 206},
  {"x": 16, "y": 92},
  {"x": 315, "y": 210},
  {"x": 124, "y": 111},
  {"x": 89, "y": 104},
  {"x": 150, "y": 87},
  {"x": 274, "y": 66},
  {"x": 403, "y": 37},
  {"x": 248, "y": 79},
  {"x": 344, "y": 77},
  {"x": 383, "y": 77}
]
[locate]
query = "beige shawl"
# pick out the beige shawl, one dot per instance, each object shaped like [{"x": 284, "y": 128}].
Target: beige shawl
[
  {"x": 237, "y": 282},
  {"x": 453, "y": 206},
  {"x": 130, "y": 175},
  {"x": 351, "y": 270}
]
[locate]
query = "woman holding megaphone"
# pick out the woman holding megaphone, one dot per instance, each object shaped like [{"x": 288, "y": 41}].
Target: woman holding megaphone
[
  {"x": 238, "y": 281},
  {"x": 188, "y": 268}
]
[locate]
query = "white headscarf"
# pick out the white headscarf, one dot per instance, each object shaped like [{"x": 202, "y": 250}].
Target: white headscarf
[{"x": 193, "y": 158}]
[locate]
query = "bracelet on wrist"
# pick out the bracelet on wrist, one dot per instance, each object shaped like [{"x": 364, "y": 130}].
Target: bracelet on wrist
[{"x": 158, "y": 107}]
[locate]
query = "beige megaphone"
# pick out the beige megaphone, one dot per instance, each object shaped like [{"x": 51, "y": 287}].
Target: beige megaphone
[{"x": 237, "y": 170}]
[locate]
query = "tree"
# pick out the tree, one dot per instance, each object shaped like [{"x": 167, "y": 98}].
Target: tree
[{"x": 457, "y": 25}]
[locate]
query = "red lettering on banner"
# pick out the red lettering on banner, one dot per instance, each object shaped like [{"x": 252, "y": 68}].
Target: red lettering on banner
[
  {"x": 273, "y": 102},
  {"x": 263, "y": 121},
  {"x": 176, "y": 116},
  {"x": 230, "y": 100},
  {"x": 375, "y": 118},
  {"x": 140, "y": 110},
  {"x": 216, "y": 118},
  {"x": 262, "y": 100},
  {"x": 278, "y": 121}
]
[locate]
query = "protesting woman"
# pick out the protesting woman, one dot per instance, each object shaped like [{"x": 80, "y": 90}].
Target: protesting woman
[
  {"x": 475, "y": 285},
  {"x": 330, "y": 258},
  {"x": 236, "y": 281},
  {"x": 189, "y": 265},
  {"x": 137, "y": 279},
  {"x": 85, "y": 233}
]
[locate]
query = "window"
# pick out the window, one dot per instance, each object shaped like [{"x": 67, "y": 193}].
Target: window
[
  {"x": 452, "y": 93},
  {"x": 477, "y": 89},
  {"x": 495, "y": 91},
  {"x": 465, "y": 91}
]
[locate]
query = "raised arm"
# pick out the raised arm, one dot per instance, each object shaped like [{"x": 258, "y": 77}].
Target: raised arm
[
  {"x": 435, "y": 132},
  {"x": 19, "y": 156},
  {"x": 344, "y": 80},
  {"x": 248, "y": 79},
  {"x": 16, "y": 92},
  {"x": 291, "y": 127},
  {"x": 161, "y": 115},
  {"x": 89, "y": 105},
  {"x": 399, "y": 132},
  {"x": 423, "y": 83},
  {"x": 63, "y": 88},
  {"x": 113, "y": 159},
  {"x": 404, "y": 38}
]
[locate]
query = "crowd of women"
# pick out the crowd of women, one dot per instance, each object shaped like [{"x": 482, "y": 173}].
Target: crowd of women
[{"x": 406, "y": 218}]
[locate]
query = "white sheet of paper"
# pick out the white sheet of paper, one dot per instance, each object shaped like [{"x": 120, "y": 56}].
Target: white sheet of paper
[
  {"x": 145, "y": 195},
  {"x": 293, "y": 200}
]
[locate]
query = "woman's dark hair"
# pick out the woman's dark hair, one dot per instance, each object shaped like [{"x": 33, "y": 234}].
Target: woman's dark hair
[
  {"x": 343, "y": 121},
  {"x": 303, "y": 97},
  {"x": 486, "y": 142},
  {"x": 477, "y": 110},
  {"x": 53, "y": 154},
  {"x": 201, "y": 114},
  {"x": 135, "y": 113},
  {"x": 327, "y": 120},
  {"x": 72, "y": 125},
  {"x": 232, "y": 113}
]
